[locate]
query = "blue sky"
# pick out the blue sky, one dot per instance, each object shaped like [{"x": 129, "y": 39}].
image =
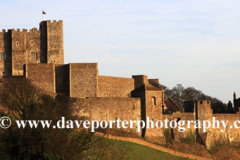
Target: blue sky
[{"x": 193, "y": 43}]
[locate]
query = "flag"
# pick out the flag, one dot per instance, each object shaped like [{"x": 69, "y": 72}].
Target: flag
[{"x": 43, "y": 12}]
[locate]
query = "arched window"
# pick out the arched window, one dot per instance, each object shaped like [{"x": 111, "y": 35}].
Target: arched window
[{"x": 153, "y": 100}]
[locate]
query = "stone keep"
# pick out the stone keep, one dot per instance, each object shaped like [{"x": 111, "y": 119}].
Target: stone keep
[{"x": 19, "y": 47}]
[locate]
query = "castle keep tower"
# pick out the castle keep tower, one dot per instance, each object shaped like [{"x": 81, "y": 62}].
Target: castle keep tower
[
  {"x": 36, "y": 46},
  {"x": 52, "y": 42},
  {"x": 5, "y": 52}
]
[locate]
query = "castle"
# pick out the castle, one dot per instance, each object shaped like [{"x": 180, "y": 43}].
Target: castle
[
  {"x": 36, "y": 46},
  {"x": 39, "y": 56}
]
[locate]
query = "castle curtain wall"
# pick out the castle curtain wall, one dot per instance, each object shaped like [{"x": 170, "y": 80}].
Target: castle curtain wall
[
  {"x": 177, "y": 116},
  {"x": 62, "y": 79},
  {"x": 41, "y": 75},
  {"x": 99, "y": 109},
  {"x": 230, "y": 134},
  {"x": 83, "y": 79},
  {"x": 115, "y": 86},
  {"x": 202, "y": 112}
]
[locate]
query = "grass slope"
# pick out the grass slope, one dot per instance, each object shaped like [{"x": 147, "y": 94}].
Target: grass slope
[{"x": 140, "y": 152}]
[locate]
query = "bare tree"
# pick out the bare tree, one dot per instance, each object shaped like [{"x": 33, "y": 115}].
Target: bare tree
[{"x": 179, "y": 94}]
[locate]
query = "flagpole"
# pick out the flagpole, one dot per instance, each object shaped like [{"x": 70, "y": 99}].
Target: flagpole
[{"x": 42, "y": 14}]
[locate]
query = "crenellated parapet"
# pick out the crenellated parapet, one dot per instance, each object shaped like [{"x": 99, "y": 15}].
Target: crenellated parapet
[
  {"x": 55, "y": 22},
  {"x": 24, "y": 31},
  {"x": 34, "y": 30},
  {"x": 5, "y": 32},
  {"x": 18, "y": 31},
  {"x": 31, "y": 46}
]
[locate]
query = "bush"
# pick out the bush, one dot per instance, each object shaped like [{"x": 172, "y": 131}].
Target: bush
[
  {"x": 25, "y": 102},
  {"x": 75, "y": 99},
  {"x": 166, "y": 132},
  {"x": 190, "y": 138}
]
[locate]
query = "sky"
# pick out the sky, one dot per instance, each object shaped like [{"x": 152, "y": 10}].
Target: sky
[{"x": 193, "y": 43}]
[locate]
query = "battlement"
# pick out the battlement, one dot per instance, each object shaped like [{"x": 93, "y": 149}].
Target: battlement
[
  {"x": 27, "y": 46},
  {"x": 4, "y": 31},
  {"x": 34, "y": 30},
  {"x": 19, "y": 31},
  {"x": 189, "y": 106},
  {"x": 55, "y": 22},
  {"x": 203, "y": 102}
]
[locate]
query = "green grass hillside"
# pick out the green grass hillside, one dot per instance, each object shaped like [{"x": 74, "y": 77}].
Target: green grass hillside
[
  {"x": 129, "y": 151},
  {"x": 140, "y": 152}
]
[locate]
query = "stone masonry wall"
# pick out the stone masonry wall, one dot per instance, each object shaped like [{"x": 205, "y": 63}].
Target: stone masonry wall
[
  {"x": 33, "y": 45},
  {"x": 41, "y": 75},
  {"x": 110, "y": 109},
  {"x": 154, "y": 82},
  {"x": 5, "y": 47},
  {"x": 140, "y": 80},
  {"x": 115, "y": 86},
  {"x": 23, "y": 43},
  {"x": 62, "y": 79},
  {"x": 154, "y": 112},
  {"x": 55, "y": 50},
  {"x": 178, "y": 132},
  {"x": 19, "y": 44},
  {"x": 203, "y": 113},
  {"x": 83, "y": 79},
  {"x": 230, "y": 134}
]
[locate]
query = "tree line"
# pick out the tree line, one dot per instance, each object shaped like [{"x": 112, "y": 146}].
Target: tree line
[{"x": 179, "y": 94}]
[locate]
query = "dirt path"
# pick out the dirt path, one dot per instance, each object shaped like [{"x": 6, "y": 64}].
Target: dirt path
[{"x": 142, "y": 142}]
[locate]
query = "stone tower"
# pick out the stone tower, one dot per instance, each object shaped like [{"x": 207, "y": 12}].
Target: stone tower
[
  {"x": 36, "y": 46},
  {"x": 52, "y": 42}
]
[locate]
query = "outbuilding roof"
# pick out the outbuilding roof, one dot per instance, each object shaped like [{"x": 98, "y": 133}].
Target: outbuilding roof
[
  {"x": 148, "y": 87},
  {"x": 171, "y": 106}
]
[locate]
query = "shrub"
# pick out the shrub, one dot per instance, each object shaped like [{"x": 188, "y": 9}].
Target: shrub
[
  {"x": 190, "y": 138},
  {"x": 166, "y": 132},
  {"x": 75, "y": 99},
  {"x": 23, "y": 101}
]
